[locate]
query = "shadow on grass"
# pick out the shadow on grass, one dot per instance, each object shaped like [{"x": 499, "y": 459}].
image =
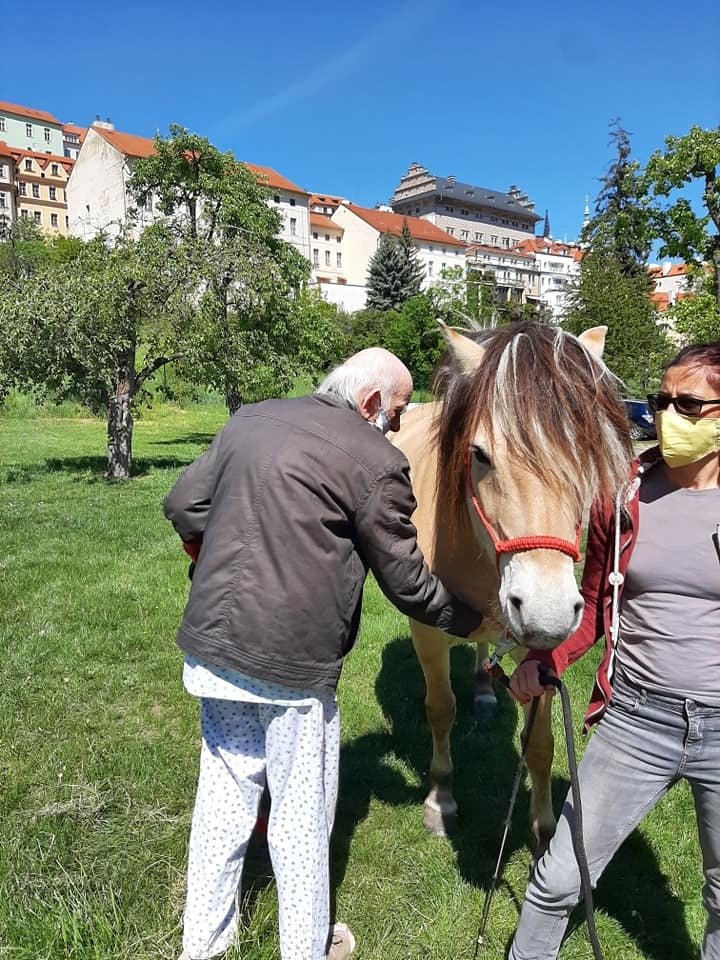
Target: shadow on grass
[
  {"x": 633, "y": 889},
  {"x": 198, "y": 439},
  {"x": 86, "y": 469}
]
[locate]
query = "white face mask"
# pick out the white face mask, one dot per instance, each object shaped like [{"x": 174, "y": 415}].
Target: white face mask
[{"x": 382, "y": 422}]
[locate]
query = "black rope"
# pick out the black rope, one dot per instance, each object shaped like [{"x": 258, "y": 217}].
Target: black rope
[{"x": 577, "y": 831}]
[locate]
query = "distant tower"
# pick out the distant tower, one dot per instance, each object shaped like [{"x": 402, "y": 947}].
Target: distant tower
[
  {"x": 586, "y": 211},
  {"x": 546, "y": 227}
]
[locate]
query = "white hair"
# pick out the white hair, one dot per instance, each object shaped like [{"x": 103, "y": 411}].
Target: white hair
[{"x": 371, "y": 369}]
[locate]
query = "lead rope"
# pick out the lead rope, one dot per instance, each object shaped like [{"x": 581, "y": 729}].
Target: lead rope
[{"x": 577, "y": 831}]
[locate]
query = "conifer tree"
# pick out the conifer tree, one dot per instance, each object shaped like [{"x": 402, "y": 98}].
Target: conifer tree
[{"x": 395, "y": 274}]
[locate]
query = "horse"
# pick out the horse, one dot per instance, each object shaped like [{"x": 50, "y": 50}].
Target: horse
[{"x": 528, "y": 427}]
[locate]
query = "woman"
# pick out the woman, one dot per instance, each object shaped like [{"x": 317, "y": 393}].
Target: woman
[{"x": 657, "y": 691}]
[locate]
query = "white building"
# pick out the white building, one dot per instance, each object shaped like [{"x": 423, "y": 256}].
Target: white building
[
  {"x": 515, "y": 273},
  {"x": 469, "y": 213},
  {"x": 361, "y": 231},
  {"x": 557, "y": 266},
  {"x": 99, "y": 200}
]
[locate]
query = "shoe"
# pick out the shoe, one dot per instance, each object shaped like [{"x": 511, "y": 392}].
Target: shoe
[{"x": 342, "y": 942}]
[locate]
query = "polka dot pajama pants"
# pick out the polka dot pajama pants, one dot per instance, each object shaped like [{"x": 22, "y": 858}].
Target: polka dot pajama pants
[{"x": 297, "y": 749}]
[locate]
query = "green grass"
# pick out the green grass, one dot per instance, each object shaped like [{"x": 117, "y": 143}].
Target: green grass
[{"x": 99, "y": 744}]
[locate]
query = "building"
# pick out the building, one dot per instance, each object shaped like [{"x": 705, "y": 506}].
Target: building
[
  {"x": 73, "y": 137},
  {"x": 99, "y": 199},
  {"x": 469, "y": 213},
  {"x": 33, "y": 187},
  {"x": 515, "y": 273},
  {"x": 326, "y": 256},
  {"x": 362, "y": 228},
  {"x": 27, "y": 129},
  {"x": 8, "y": 210},
  {"x": 557, "y": 266}
]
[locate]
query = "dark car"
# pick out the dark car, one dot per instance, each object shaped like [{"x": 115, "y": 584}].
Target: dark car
[{"x": 642, "y": 422}]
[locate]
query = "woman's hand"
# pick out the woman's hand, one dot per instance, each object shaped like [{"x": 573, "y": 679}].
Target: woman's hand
[{"x": 527, "y": 681}]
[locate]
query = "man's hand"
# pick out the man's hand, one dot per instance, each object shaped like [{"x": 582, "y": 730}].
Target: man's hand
[{"x": 526, "y": 681}]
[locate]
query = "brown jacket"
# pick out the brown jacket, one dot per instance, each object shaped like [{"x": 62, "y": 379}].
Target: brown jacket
[{"x": 294, "y": 501}]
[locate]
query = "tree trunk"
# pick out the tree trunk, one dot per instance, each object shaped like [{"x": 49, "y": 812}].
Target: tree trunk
[
  {"x": 233, "y": 400},
  {"x": 119, "y": 429}
]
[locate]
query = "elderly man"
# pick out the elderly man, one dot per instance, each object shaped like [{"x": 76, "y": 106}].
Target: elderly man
[{"x": 293, "y": 502}]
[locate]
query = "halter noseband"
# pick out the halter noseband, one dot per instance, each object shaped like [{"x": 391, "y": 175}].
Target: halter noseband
[{"x": 518, "y": 544}]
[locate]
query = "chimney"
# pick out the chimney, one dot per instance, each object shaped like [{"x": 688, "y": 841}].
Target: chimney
[{"x": 104, "y": 124}]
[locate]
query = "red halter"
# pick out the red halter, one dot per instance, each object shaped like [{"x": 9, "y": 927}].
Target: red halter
[{"x": 519, "y": 543}]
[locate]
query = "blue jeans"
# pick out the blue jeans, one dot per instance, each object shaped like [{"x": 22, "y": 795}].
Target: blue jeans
[{"x": 644, "y": 744}]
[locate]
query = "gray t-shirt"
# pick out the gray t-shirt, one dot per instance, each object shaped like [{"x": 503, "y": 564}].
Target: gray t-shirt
[{"x": 670, "y": 615}]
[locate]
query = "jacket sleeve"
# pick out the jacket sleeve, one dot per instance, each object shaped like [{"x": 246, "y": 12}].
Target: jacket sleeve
[
  {"x": 387, "y": 539},
  {"x": 188, "y": 504},
  {"x": 591, "y": 626}
]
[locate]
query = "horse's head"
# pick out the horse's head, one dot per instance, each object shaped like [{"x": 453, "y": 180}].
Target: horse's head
[{"x": 531, "y": 428}]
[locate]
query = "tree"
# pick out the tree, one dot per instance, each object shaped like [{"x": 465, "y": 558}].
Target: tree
[
  {"x": 395, "y": 274},
  {"x": 250, "y": 339},
  {"x": 685, "y": 234},
  {"x": 621, "y": 227},
  {"x": 98, "y": 327},
  {"x": 636, "y": 350},
  {"x": 697, "y": 317}
]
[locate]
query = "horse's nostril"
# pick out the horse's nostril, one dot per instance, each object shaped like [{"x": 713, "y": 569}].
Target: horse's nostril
[
  {"x": 579, "y": 607},
  {"x": 516, "y": 601}
]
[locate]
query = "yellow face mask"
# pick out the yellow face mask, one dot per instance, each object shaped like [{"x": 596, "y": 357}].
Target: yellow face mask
[{"x": 685, "y": 440}]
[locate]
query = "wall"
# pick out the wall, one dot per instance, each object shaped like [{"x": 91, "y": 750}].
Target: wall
[
  {"x": 96, "y": 190},
  {"x": 15, "y": 136}
]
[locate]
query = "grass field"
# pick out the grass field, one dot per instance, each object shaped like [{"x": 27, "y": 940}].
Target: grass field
[{"x": 99, "y": 744}]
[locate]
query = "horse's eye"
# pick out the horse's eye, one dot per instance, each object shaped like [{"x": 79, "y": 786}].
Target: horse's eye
[{"x": 481, "y": 458}]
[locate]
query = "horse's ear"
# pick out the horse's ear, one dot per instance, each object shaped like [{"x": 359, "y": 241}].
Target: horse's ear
[
  {"x": 466, "y": 353},
  {"x": 594, "y": 340}
]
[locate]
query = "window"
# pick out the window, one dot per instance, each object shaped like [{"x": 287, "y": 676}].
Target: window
[
  {"x": 338, "y": 239},
  {"x": 493, "y": 240},
  {"x": 327, "y": 236},
  {"x": 2, "y": 199},
  {"x": 315, "y": 236},
  {"x": 430, "y": 268},
  {"x": 327, "y": 258},
  {"x": 28, "y": 129},
  {"x": 24, "y": 214},
  {"x": 53, "y": 219},
  {"x": 36, "y": 191},
  {"x": 67, "y": 222},
  {"x": 464, "y": 234},
  {"x": 47, "y": 134},
  {"x": 451, "y": 231},
  {"x": 316, "y": 257},
  {"x": 22, "y": 189},
  {"x": 338, "y": 258},
  {"x": 292, "y": 201},
  {"x": 2, "y": 124},
  {"x": 53, "y": 193},
  {"x": 148, "y": 203},
  {"x": 38, "y": 216},
  {"x": 478, "y": 237},
  {"x": 55, "y": 170},
  {"x": 276, "y": 198},
  {"x": 293, "y": 226},
  {"x": 2, "y": 171},
  {"x": 28, "y": 163}
]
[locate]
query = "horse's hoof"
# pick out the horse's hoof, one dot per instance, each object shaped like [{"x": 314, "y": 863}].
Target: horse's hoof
[
  {"x": 440, "y": 823},
  {"x": 484, "y": 706}
]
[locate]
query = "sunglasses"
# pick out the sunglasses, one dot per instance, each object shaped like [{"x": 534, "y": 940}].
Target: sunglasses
[{"x": 684, "y": 403}]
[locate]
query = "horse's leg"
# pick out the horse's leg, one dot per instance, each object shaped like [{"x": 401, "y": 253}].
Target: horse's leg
[
  {"x": 484, "y": 699},
  {"x": 433, "y": 652},
  {"x": 539, "y": 757}
]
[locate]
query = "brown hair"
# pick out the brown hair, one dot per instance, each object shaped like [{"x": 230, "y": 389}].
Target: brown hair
[{"x": 701, "y": 356}]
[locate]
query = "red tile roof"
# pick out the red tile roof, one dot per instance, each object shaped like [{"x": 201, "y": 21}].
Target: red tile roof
[
  {"x": 392, "y": 223},
  {"x": 271, "y": 178},
  {"x": 552, "y": 247},
  {"x": 323, "y": 221},
  {"x": 5, "y": 150},
  {"x": 504, "y": 251},
  {"x": 674, "y": 270},
  {"x": 127, "y": 143},
  {"x": 42, "y": 158},
  {"x": 73, "y": 128},
  {"x": 28, "y": 112},
  {"x": 320, "y": 200}
]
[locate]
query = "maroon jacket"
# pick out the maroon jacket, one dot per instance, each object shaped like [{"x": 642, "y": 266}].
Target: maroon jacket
[{"x": 597, "y": 589}]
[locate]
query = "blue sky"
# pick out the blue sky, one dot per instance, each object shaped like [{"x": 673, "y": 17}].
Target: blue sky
[{"x": 342, "y": 97}]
